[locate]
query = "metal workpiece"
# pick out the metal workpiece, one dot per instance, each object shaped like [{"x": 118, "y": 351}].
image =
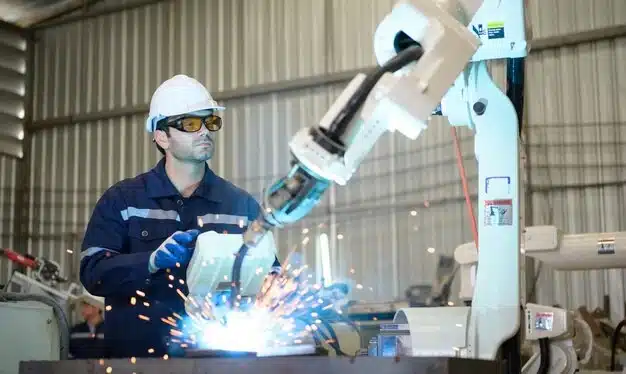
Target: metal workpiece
[{"x": 273, "y": 365}]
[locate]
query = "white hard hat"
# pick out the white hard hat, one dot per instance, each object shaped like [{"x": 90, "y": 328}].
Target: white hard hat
[{"x": 179, "y": 95}]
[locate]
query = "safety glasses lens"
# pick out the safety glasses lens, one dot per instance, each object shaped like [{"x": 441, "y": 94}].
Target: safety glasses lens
[
  {"x": 191, "y": 124},
  {"x": 213, "y": 123}
]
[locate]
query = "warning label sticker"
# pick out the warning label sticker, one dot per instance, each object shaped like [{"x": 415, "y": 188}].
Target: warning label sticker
[
  {"x": 495, "y": 30},
  {"x": 606, "y": 246},
  {"x": 544, "y": 321},
  {"x": 499, "y": 212}
]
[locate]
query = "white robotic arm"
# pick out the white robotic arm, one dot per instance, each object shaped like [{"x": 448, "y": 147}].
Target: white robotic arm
[
  {"x": 401, "y": 95},
  {"x": 575, "y": 251},
  {"x": 432, "y": 44},
  {"x": 424, "y": 49}
]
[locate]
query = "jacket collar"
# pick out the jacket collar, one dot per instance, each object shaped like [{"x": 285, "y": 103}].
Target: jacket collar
[{"x": 159, "y": 184}]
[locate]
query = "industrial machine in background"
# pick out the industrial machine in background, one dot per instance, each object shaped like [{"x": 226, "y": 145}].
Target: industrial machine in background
[
  {"x": 45, "y": 271},
  {"x": 43, "y": 277},
  {"x": 571, "y": 338},
  {"x": 34, "y": 310}
]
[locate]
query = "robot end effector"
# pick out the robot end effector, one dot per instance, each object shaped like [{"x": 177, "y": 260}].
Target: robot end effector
[{"x": 422, "y": 46}]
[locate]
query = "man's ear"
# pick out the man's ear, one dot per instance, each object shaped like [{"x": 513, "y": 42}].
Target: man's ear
[{"x": 161, "y": 138}]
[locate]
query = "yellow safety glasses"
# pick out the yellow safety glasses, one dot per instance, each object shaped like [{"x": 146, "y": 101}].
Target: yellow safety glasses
[{"x": 194, "y": 124}]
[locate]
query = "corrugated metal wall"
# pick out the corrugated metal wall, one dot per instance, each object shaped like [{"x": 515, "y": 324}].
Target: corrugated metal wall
[
  {"x": 8, "y": 181},
  {"x": 13, "y": 57},
  {"x": 407, "y": 195}
]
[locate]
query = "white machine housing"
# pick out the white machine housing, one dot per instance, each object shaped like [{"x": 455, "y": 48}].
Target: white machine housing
[
  {"x": 211, "y": 264},
  {"x": 556, "y": 324},
  {"x": 548, "y": 244},
  {"x": 466, "y": 255},
  {"x": 436, "y": 332},
  {"x": 402, "y": 101},
  {"x": 562, "y": 252},
  {"x": 586, "y": 251},
  {"x": 476, "y": 102},
  {"x": 30, "y": 332}
]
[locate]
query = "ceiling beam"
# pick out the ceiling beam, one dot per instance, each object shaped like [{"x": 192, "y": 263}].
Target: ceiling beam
[{"x": 96, "y": 13}]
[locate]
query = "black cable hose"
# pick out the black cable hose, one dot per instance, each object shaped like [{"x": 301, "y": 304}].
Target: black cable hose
[
  {"x": 515, "y": 77},
  {"x": 544, "y": 351},
  {"x": 340, "y": 123},
  {"x": 64, "y": 326},
  {"x": 236, "y": 274},
  {"x": 614, "y": 338}
]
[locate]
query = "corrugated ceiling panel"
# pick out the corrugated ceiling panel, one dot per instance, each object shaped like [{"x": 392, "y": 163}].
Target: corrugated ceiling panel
[
  {"x": 12, "y": 90},
  {"x": 118, "y": 60},
  {"x": 8, "y": 181},
  {"x": 577, "y": 157}
]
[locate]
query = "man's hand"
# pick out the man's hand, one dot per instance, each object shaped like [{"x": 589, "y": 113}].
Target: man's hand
[{"x": 175, "y": 249}]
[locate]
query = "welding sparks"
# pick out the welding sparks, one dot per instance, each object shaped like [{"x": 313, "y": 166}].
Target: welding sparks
[{"x": 288, "y": 310}]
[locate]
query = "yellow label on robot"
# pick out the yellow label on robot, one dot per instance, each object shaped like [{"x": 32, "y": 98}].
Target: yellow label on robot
[{"x": 495, "y": 30}]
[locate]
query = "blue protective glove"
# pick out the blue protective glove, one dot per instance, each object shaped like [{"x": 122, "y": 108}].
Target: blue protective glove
[{"x": 178, "y": 248}]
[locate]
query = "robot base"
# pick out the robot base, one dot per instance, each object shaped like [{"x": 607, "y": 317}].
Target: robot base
[{"x": 274, "y": 365}]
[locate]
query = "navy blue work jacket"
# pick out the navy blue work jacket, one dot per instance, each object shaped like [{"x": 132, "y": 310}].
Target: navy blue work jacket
[{"x": 128, "y": 223}]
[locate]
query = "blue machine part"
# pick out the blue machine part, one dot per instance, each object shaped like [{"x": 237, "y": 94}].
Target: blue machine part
[{"x": 294, "y": 196}]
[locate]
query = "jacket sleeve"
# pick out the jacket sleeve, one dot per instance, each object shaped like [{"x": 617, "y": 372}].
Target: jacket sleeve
[
  {"x": 106, "y": 267},
  {"x": 254, "y": 210}
]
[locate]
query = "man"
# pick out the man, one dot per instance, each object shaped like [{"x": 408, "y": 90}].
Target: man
[
  {"x": 142, "y": 232},
  {"x": 86, "y": 338}
]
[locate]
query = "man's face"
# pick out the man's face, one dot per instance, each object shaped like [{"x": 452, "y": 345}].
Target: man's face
[
  {"x": 191, "y": 146},
  {"x": 187, "y": 146}
]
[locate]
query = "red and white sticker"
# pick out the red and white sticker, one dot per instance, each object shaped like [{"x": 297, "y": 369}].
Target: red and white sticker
[{"x": 499, "y": 212}]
